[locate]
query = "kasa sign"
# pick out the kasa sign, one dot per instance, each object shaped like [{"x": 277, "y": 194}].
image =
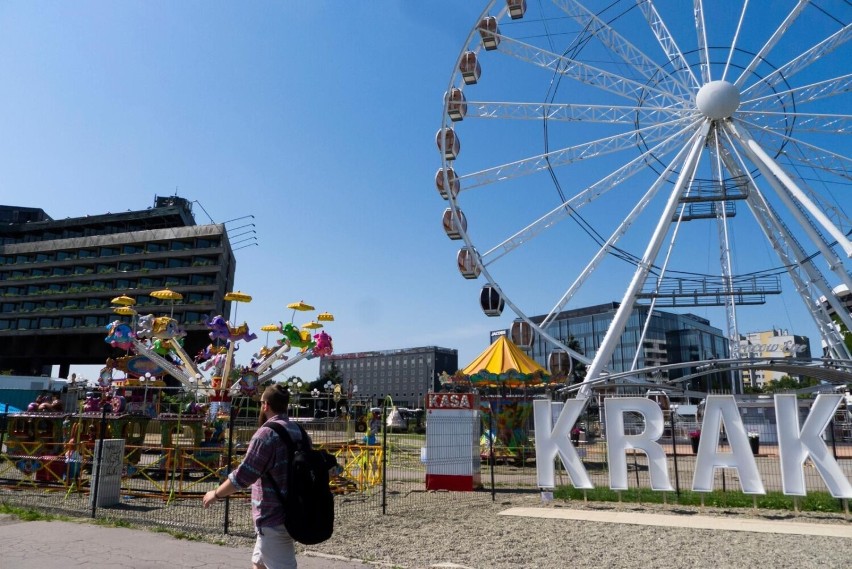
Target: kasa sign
[{"x": 796, "y": 443}]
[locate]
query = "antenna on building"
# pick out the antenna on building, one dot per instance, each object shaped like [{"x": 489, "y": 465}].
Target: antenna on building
[{"x": 204, "y": 210}]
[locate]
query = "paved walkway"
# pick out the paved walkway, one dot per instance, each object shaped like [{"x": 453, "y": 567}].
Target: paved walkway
[
  {"x": 61, "y": 545},
  {"x": 721, "y": 523}
]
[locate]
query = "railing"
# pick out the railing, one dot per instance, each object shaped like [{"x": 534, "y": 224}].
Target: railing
[{"x": 164, "y": 485}]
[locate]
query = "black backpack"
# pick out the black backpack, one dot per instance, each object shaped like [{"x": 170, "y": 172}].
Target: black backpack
[{"x": 308, "y": 503}]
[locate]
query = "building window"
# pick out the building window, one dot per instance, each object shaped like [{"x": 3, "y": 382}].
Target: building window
[
  {"x": 180, "y": 245},
  {"x": 108, "y": 251},
  {"x": 154, "y": 265},
  {"x": 125, "y": 266},
  {"x": 202, "y": 243}
]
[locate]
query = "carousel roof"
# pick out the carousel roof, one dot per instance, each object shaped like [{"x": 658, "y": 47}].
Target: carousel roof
[{"x": 504, "y": 362}]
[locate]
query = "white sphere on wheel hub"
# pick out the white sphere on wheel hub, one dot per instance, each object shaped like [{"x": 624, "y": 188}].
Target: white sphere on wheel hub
[{"x": 718, "y": 100}]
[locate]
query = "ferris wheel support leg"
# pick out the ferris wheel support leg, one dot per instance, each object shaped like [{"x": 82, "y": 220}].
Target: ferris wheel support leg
[
  {"x": 622, "y": 315},
  {"x": 777, "y": 176}
]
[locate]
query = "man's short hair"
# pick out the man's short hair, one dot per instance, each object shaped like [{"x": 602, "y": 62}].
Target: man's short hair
[{"x": 277, "y": 396}]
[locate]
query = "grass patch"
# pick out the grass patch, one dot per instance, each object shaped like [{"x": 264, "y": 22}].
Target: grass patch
[
  {"x": 813, "y": 502},
  {"x": 30, "y": 515},
  {"x": 113, "y": 523},
  {"x": 177, "y": 534}
]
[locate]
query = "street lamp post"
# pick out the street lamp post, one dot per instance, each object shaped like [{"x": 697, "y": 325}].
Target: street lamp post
[{"x": 315, "y": 394}]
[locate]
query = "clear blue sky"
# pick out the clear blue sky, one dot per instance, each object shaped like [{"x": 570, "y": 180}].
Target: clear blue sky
[{"x": 316, "y": 117}]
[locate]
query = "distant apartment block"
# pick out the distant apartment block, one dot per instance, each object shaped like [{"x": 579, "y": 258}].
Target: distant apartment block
[{"x": 407, "y": 374}]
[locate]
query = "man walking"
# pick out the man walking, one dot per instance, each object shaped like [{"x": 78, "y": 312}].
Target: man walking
[{"x": 267, "y": 456}]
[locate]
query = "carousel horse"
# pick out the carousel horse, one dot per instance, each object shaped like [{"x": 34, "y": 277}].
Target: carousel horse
[
  {"x": 119, "y": 335},
  {"x": 323, "y": 345},
  {"x": 150, "y": 326},
  {"x": 297, "y": 338}
]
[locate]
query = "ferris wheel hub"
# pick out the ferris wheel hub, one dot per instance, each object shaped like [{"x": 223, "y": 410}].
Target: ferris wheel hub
[{"x": 718, "y": 100}]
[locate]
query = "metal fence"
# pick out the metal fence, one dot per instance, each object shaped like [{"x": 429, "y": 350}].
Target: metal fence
[{"x": 165, "y": 474}]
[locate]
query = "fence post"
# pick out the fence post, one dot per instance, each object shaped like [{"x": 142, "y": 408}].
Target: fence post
[
  {"x": 4, "y": 424},
  {"x": 491, "y": 449},
  {"x": 674, "y": 453},
  {"x": 385, "y": 455},
  {"x": 232, "y": 419},
  {"x": 100, "y": 455}
]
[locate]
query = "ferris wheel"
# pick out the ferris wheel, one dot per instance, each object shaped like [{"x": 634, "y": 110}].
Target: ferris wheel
[{"x": 655, "y": 152}]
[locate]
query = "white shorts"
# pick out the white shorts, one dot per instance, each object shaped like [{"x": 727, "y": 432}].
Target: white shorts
[{"x": 274, "y": 548}]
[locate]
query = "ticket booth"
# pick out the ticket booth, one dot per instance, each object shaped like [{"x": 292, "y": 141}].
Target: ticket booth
[{"x": 452, "y": 442}]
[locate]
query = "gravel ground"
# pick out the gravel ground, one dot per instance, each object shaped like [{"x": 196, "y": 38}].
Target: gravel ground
[
  {"x": 473, "y": 535},
  {"x": 465, "y": 529}
]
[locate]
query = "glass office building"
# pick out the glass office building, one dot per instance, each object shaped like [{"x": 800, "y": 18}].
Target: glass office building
[{"x": 670, "y": 338}]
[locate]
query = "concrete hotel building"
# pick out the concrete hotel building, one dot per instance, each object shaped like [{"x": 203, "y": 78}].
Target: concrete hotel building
[
  {"x": 406, "y": 374},
  {"x": 57, "y": 278},
  {"x": 771, "y": 344}
]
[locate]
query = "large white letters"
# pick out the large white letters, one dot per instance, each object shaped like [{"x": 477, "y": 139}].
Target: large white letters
[
  {"x": 618, "y": 442},
  {"x": 795, "y": 446},
  {"x": 549, "y": 443},
  {"x": 722, "y": 409}
]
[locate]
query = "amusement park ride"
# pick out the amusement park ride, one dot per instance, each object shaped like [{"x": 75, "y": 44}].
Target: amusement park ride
[
  {"x": 48, "y": 444},
  {"x": 662, "y": 145}
]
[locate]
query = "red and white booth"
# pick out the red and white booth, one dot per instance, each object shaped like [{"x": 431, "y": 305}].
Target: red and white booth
[{"x": 452, "y": 441}]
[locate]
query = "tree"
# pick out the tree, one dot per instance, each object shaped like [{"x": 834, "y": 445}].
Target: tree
[
  {"x": 332, "y": 374},
  {"x": 787, "y": 383},
  {"x": 578, "y": 368}
]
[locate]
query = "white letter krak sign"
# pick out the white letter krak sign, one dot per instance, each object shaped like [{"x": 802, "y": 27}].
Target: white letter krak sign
[{"x": 795, "y": 444}]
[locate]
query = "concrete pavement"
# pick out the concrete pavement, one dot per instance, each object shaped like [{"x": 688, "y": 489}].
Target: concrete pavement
[
  {"x": 61, "y": 544},
  {"x": 721, "y": 523}
]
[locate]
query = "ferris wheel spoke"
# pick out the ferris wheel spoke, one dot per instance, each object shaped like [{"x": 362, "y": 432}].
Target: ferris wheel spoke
[
  {"x": 810, "y": 122},
  {"x": 589, "y": 194},
  {"x": 572, "y": 154},
  {"x": 587, "y": 74},
  {"x": 668, "y": 44},
  {"x": 808, "y": 57},
  {"x": 625, "y": 308},
  {"x": 827, "y": 160},
  {"x": 770, "y": 43},
  {"x": 701, "y": 33},
  {"x": 802, "y": 95},
  {"x": 607, "y": 247},
  {"x": 608, "y": 114},
  {"x": 735, "y": 40},
  {"x": 625, "y": 50}
]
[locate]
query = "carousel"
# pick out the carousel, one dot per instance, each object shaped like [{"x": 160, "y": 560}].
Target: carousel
[{"x": 171, "y": 409}]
